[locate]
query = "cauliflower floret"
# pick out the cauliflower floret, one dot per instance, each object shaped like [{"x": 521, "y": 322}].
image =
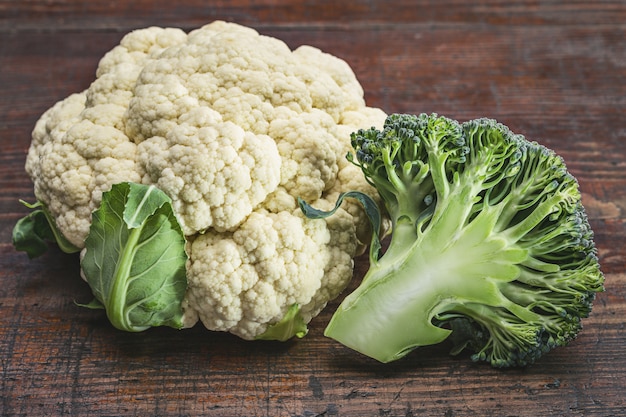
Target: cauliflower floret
[
  {"x": 309, "y": 166},
  {"x": 79, "y": 147},
  {"x": 216, "y": 173},
  {"x": 233, "y": 126},
  {"x": 243, "y": 281}
]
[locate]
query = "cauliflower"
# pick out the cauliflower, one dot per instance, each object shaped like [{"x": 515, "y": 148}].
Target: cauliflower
[{"x": 233, "y": 127}]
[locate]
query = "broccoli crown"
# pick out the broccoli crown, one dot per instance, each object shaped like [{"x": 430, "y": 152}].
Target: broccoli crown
[{"x": 490, "y": 244}]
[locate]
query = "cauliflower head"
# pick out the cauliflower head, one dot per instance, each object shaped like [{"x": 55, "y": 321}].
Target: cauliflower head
[{"x": 233, "y": 126}]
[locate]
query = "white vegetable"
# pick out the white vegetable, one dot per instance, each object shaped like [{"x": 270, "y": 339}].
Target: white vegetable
[{"x": 233, "y": 126}]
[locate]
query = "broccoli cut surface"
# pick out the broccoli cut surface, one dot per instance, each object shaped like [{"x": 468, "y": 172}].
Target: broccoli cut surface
[{"x": 490, "y": 244}]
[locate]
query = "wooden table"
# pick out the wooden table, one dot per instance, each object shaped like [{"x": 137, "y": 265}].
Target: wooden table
[{"x": 554, "y": 71}]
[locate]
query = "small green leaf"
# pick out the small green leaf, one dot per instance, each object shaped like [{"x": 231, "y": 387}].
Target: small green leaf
[
  {"x": 135, "y": 258},
  {"x": 32, "y": 233},
  {"x": 93, "y": 305},
  {"x": 371, "y": 210},
  {"x": 291, "y": 325}
]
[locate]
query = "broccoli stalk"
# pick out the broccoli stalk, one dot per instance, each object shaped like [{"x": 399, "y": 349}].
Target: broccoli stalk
[{"x": 490, "y": 244}]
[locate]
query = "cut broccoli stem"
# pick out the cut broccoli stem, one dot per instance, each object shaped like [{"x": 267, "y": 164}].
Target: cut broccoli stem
[{"x": 413, "y": 278}]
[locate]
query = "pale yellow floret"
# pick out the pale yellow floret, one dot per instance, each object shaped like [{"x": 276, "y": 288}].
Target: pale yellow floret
[{"x": 251, "y": 276}]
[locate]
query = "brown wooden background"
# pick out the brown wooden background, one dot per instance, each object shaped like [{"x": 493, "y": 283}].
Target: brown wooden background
[{"x": 552, "y": 70}]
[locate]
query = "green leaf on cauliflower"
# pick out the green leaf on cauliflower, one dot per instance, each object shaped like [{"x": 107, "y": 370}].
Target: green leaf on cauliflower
[
  {"x": 32, "y": 233},
  {"x": 134, "y": 258},
  {"x": 292, "y": 324}
]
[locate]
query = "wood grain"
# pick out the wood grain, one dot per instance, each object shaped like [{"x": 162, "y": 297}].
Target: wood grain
[{"x": 551, "y": 70}]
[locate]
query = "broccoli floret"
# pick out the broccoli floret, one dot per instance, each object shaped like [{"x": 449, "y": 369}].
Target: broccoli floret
[{"x": 490, "y": 244}]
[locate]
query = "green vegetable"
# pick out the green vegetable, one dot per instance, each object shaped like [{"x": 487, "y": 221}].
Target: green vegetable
[
  {"x": 490, "y": 244},
  {"x": 32, "y": 233},
  {"x": 292, "y": 324},
  {"x": 134, "y": 258}
]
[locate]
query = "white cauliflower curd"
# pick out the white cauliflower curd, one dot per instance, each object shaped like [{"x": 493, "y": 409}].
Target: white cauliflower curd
[{"x": 233, "y": 126}]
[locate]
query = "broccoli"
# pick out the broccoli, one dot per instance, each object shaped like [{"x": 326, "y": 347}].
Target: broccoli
[{"x": 490, "y": 244}]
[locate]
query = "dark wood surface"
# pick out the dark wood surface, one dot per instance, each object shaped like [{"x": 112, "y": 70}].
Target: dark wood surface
[{"x": 554, "y": 71}]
